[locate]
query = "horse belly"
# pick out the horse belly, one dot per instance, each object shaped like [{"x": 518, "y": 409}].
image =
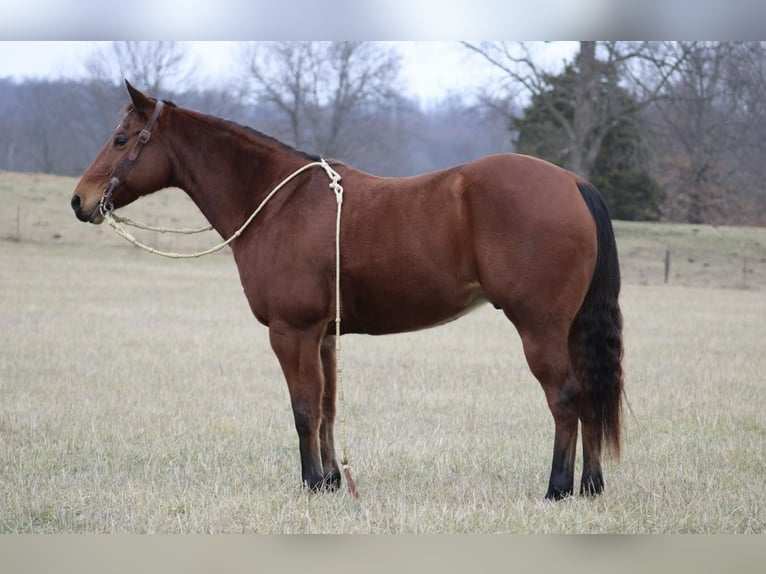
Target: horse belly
[
  {"x": 401, "y": 304},
  {"x": 411, "y": 263}
]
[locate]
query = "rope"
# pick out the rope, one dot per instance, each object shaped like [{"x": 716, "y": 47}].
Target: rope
[
  {"x": 114, "y": 221},
  {"x": 181, "y": 231},
  {"x": 338, "y": 189}
]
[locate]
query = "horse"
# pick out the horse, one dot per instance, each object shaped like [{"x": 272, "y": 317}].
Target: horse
[{"x": 531, "y": 238}]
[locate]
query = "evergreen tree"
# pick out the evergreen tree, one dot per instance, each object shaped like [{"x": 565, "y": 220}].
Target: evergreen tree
[{"x": 620, "y": 169}]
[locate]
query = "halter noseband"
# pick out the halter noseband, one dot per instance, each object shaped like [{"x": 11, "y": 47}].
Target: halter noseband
[{"x": 106, "y": 203}]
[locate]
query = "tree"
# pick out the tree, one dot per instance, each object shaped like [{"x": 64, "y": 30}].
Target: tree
[
  {"x": 621, "y": 172},
  {"x": 619, "y": 169},
  {"x": 710, "y": 134},
  {"x": 322, "y": 91},
  {"x": 162, "y": 69},
  {"x": 602, "y": 72},
  {"x": 159, "y": 68}
]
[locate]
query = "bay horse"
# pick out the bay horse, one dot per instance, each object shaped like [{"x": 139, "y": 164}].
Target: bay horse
[{"x": 531, "y": 238}]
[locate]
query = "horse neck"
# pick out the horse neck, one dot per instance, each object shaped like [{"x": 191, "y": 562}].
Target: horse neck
[{"x": 226, "y": 169}]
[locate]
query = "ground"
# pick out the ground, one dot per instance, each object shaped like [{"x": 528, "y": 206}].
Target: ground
[{"x": 139, "y": 395}]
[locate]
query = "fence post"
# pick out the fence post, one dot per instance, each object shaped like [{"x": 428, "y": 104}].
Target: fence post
[{"x": 667, "y": 264}]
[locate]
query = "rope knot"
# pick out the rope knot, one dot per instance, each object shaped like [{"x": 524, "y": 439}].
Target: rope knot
[{"x": 335, "y": 177}]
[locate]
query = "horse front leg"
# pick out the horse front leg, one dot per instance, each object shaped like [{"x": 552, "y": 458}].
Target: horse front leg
[
  {"x": 326, "y": 427},
  {"x": 299, "y": 356}
]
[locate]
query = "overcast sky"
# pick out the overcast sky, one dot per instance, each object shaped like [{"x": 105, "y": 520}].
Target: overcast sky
[
  {"x": 430, "y": 70},
  {"x": 377, "y": 20}
]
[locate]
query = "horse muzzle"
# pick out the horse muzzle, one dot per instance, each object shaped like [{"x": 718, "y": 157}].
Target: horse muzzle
[{"x": 89, "y": 216}]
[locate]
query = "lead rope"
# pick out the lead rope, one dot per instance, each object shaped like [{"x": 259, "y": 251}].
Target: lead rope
[
  {"x": 338, "y": 189},
  {"x": 114, "y": 222}
]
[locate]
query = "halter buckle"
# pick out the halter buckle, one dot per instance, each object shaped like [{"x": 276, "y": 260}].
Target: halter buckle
[{"x": 144, "y": 135}]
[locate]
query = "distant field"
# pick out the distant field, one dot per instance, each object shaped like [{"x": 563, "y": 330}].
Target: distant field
[
  {"x": 139, "y": 395},
  {"x": 35, "y": 207},
  {"x": 700, "y": 255}
]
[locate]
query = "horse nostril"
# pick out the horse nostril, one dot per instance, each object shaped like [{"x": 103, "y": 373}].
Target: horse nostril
[{"x": 76, "y": 203}]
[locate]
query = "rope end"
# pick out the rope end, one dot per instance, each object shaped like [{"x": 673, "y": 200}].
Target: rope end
[{"x": 350, "y": 483}]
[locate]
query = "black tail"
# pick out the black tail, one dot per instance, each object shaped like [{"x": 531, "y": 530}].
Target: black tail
[{"x": 595, "y": 340}]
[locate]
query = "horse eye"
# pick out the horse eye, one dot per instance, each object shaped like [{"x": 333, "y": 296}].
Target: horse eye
[{"x": 120, "y": 140}]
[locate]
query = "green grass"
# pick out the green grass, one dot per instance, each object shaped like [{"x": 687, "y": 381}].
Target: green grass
[{"x": 139, "y": 395}]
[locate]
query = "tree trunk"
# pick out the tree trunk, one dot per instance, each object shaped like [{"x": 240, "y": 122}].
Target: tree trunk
[{"x": 584, "y": 120}]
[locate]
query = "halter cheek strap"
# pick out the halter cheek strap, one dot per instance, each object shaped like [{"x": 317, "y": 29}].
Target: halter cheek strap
[{"x": 126, "y": 163}]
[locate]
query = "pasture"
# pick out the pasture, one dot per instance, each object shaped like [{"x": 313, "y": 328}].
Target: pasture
[{"x": 140, "y": 395}]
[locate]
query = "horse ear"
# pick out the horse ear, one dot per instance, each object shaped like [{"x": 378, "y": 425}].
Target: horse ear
[{"x": 140, "y": 100}]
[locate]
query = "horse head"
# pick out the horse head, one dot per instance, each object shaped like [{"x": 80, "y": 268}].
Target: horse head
[{"x": 123, "y": 171}]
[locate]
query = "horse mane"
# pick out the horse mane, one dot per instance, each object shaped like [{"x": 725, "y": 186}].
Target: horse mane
[{"x": 260, "y": 135}]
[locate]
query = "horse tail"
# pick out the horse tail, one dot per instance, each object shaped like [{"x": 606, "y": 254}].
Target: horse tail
[{"x": 595, "y": 339}]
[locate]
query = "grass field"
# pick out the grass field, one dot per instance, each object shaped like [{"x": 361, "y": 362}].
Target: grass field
[{"x": 139, "y": 395}]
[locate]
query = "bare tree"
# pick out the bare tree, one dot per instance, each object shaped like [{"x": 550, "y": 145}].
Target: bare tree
[
  {"x": 643, "y": 68},
  {"x": 321, "y": 92},
  {"x": 160, "y": 68},
  {"x": 710, "y": 134},
  {"x": 157, "y": 67}
]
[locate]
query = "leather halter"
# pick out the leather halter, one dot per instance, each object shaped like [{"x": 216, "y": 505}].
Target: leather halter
[{"x": 121, "y": 170}]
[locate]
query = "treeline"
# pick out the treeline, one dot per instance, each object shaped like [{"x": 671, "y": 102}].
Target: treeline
[
  {"x": 58, "y": 127},
  {"x": 667, "y": 130}
]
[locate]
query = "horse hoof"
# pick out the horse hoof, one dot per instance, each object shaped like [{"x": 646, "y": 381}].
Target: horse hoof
[
  {"x": 332, "y": 480},
  {"x": 328, "y": 483},
  {"x": 556, "y": 494},
  {"x": 592, "y": 485}
]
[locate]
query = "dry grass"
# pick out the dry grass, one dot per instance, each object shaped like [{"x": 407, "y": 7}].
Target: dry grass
[
  {"x": 139, "y": 395},
  {"x": 700, "y": 255},
  {"x": 35, "y": 207}
]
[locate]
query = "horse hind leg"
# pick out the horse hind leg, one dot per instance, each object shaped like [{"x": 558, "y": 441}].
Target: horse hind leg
[
  {"x": 562, "y": 396},
  {"x": 596, "y": 351},
  {"x": 548, "y": 358},
  {"x": 592, "y": 481}
]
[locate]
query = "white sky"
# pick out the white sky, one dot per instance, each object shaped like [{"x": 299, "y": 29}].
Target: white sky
[{"x": 430, "y": 70}]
